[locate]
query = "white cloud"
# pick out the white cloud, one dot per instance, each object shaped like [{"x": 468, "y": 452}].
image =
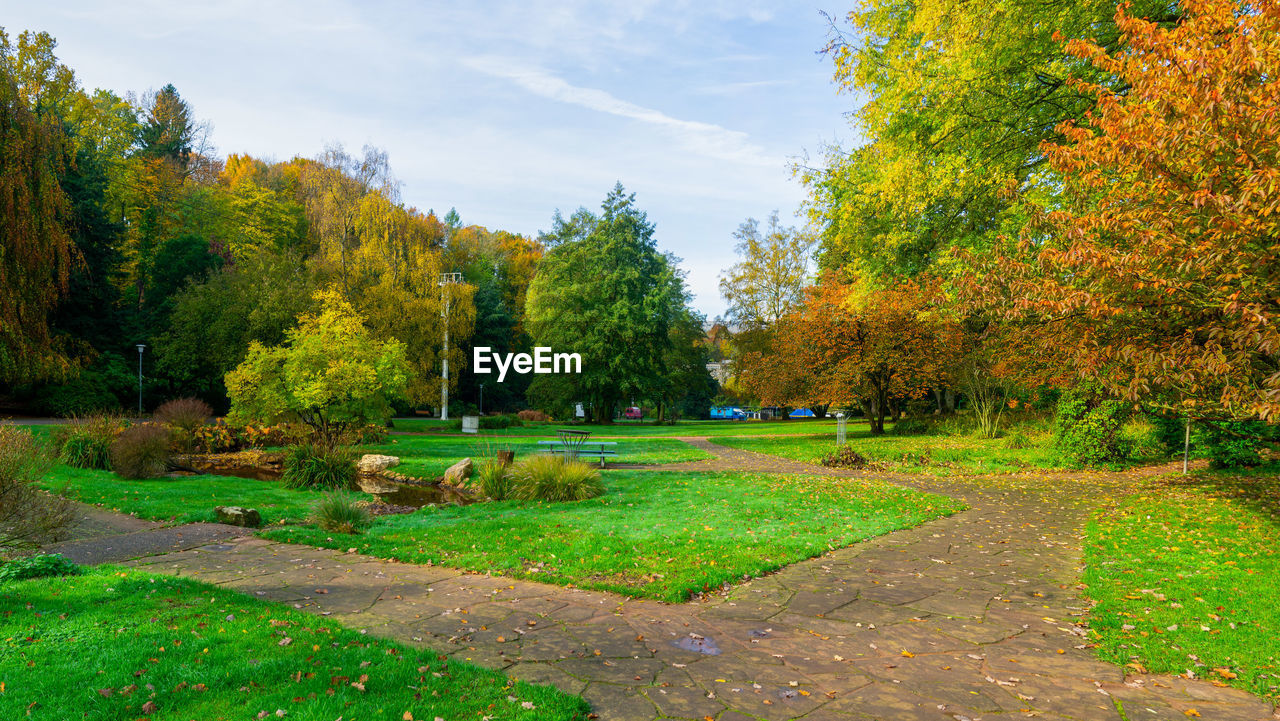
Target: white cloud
[{"x": 704, "y": 139}]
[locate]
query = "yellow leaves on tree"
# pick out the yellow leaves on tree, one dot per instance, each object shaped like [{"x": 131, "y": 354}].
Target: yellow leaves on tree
[{"x": 1159, "y": 274}]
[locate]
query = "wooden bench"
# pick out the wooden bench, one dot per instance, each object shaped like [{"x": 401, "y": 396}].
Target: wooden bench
[{"x": 594, "y": 449}]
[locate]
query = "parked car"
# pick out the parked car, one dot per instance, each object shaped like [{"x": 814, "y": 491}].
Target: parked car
[
  {"x": 728, "y": 414},
  {"x": 633, "y": 413}
]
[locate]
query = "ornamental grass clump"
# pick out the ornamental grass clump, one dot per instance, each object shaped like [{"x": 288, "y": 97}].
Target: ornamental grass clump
[
  {"x": 86, "y": 442},
  {"x": 339, "y": 512},
  {"x": 493, "y": 479},
  {"x": 183, "y": 417},
  {"x": 317, "y": 466},
  {"x": 141, "y": 451},
  {"x": 28, "y": 515},
  {"x": 554, "y": 478}
]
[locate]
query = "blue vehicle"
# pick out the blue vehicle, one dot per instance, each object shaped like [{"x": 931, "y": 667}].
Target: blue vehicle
[{"x": 726, "y": 413}]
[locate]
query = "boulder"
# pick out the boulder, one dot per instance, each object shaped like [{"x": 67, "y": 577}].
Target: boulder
[
  {"x": 458, "y": 473},
  {"x": 373, "y": 463},
  {"x": 238, "y": 516}
]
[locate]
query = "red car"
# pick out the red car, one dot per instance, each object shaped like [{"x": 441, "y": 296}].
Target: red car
[{"x": 633, "y": 413}]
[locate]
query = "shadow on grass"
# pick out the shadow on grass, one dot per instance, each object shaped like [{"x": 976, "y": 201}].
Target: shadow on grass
[{"x": 1257, "y": 488}]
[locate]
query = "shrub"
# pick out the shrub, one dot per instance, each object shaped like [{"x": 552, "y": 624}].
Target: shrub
[
  {"x": 492, "y": 479},
  {"x": 141, "y": 451},
  {"x": 1088, "y": 427},
  {"x": 910, "y": 427},
  {"x": 315, "y": 466},
  {"x": 220, "y": 437},
  {"x": 339, "y": 512},
  {"x": 1235, "y": 444},
  {"x": 845, "y": 457},
  {"x": 82, "y": 395},
  {"x": 1143, "y": 439},
  {"x": 28, "y": 516},
  {"x": 86, "y": 442},
  {"x": 545, "y": 477},
  {"x": 39, "y": 566},
  {"x": 185, "y": 413},
  {"x": 532, "y": 415}
]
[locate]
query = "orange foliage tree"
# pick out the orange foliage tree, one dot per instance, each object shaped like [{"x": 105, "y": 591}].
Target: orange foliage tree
[
  {"x": 850, "y": 344},
  {"x": 1159, "y": 277}
]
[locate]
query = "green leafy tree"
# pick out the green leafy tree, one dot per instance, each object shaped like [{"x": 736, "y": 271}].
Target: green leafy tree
[
  {"x": 956, "y": 100},
  {"x": 330, "y": 374},
  {"x": 608, "y": 294},
  {"x": 213, "y": 323}
]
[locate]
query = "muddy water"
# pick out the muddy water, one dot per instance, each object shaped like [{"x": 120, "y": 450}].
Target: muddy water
[{"x": 419, "y": 496}]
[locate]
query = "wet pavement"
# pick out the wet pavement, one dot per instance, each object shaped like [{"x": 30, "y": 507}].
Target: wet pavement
[{"x": 975, "y": 616}]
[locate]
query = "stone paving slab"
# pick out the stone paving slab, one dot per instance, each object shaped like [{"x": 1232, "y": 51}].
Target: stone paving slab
[{"x": 974, "y": 616}]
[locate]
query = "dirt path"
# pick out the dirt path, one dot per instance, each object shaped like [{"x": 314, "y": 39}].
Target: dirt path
[{"x": 975, "y": 616}]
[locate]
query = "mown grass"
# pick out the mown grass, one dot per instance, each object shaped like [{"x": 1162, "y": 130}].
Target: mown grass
[
  {"x": 959, "y": 453},
  {"x": 638, "y": 429},
  {"x": 117, "y": 645},
  {"x": 183, "y": 500},
  {"x": 429, "y": 456},
  {"x": 1186, "y": 577},
  {"x": 653, "y": 534}
]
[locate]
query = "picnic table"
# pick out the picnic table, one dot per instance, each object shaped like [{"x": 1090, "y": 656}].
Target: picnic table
[{"x": 574, "y": 444}]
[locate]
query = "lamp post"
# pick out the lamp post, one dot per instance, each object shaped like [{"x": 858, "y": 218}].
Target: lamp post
[
  {"x": 481, "y": 399},
  {"x": 141, "y": 347},
  {"x": 445, "y": 280}
]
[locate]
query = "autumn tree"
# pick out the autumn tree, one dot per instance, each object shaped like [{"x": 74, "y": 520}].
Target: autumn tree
[
  {"x": 955, "y": 99},
  {"x": 853, "y": 343},
  {"x": 769, "y": 279},
  {"x": 36, "y": 252},
  {"x": 1156, "y": 274},
  {"x": 330, "y": 373}
]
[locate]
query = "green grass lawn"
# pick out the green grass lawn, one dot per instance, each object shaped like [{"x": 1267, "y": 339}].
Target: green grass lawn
[
  {"x": 429, "y": 456},
  {"x": 183, "y": 500},
  {"x": 917, "y": 453},
  {"x": 117, "y": 645},
  {"x": 1187, "y": 577},
  {"x": 628, "y": 429},
  {"x": 653, "y": 534}
]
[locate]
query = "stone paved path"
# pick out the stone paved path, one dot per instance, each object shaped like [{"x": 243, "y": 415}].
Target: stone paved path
[{"x": 969, "y": 617}]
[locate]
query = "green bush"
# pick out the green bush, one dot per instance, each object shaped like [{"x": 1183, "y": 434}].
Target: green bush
[
  {"x": 545, "y": 477},
  {"x": 1236, "y": 444},
  {"x": 1143, "y": 438},
  {"x": 315, "y": 466},
  {"x": 39, "y": 566},
  {"x": 338, "y": 511},
  {"x": 82, "y": 395},
  {"x": 910, "y": 427},
  {"x": 1089, "y": 425},
  {"x": 86, "y": 442},
  {"x": 492, "y": 479},
  {"x": 141, "y": 451}
]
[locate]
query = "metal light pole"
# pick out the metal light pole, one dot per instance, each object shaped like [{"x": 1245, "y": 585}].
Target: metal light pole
[
  {"x": 141, "y": 347},
  {"x": 445, "y": 280},
  {"x": 481, "y": 399}
]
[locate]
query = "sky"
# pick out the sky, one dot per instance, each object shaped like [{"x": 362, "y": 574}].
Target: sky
[{"x": 504, "y": 110}]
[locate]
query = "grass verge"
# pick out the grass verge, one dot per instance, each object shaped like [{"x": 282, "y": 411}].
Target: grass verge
[
  {"x": 941, "y": 454},
  {"x": 1187, "y": 579},
  {"x": 639, "y": 429},
  {"x": 183, "y": 500},
  {"x": 122, "y": 645},
  {"x": 653, "y": 534}
]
